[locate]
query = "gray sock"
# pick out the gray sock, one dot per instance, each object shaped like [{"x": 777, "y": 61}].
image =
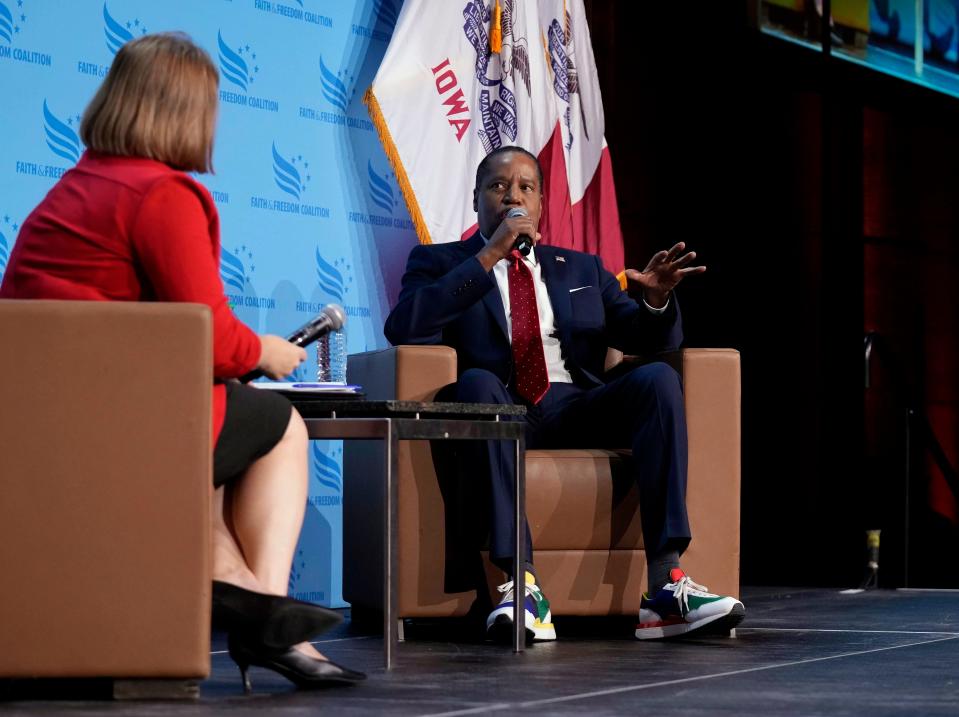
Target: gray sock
[{"x": 658, "y": 567}]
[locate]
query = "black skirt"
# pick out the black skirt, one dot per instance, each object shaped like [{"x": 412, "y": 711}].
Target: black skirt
[{"x": 255, "y": 422}]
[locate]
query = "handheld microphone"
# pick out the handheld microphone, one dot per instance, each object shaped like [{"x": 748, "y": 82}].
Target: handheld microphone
[
  {"x": 330, "y": 318},
  {"x": 523, "y": 242}
]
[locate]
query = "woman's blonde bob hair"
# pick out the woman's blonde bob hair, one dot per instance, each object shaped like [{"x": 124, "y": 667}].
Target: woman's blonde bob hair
[{"x": 158, "y": 100}]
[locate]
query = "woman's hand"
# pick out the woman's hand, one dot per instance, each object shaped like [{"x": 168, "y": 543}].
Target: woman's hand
[
  {"x": 278, "y": 357},
  {"x": 664, "y": 271}
]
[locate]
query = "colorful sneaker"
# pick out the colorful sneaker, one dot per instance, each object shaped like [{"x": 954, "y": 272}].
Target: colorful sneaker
[
  {"x": 681, "y": 607},
  {"x": 539, "y": 620}
]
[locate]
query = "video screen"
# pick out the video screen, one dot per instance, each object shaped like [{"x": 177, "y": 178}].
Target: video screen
[{"x": 916, "y": 40}]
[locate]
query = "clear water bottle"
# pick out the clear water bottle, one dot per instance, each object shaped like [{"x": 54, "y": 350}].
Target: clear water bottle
[{"x": 331, "y": 357}]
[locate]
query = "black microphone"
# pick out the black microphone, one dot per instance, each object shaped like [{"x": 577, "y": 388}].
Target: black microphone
[
  {"x": 329, "y": 319},
  {"x": 524, "y": 242}
]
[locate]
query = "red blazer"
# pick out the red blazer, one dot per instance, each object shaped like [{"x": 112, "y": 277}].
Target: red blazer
[{"x": 131, "y": 229}]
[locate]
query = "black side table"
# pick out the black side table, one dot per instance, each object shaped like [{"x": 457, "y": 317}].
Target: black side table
[{"x": 331, "y": 418}]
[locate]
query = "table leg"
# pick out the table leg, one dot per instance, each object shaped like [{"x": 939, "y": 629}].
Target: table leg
[
  {"x": 519, "y": 557},
  {"x": 390, "y": 631}
]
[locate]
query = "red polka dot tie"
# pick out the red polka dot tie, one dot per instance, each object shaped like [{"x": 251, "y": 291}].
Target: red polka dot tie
[{"x": 532, "y": 381}]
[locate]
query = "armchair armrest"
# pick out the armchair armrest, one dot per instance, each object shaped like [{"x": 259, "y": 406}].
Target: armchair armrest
[
  {"x": 106, "y": 468},
  {"x": 404, "y": 373},
  {"x": 711, "y": 384}
]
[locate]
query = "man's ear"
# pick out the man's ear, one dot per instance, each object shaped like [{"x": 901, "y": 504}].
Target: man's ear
[{"x": 475, "y": 205}]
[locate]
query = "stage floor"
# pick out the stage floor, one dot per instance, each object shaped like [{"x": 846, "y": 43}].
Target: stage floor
[{"x": 799, "y": 652}]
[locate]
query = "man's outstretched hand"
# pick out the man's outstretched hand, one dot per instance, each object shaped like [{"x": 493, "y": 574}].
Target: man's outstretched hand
[{"x": 663, "y": 272}]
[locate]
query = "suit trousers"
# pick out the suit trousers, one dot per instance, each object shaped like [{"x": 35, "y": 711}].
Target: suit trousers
[{"x": 642, "y": 409}]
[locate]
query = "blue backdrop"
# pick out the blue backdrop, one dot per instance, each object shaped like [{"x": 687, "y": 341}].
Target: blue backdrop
[{"x": 310, "y": 210}]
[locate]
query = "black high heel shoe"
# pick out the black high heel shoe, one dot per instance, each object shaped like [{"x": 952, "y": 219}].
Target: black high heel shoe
[
  {"x": 302, "y": 670},
  {"x": 273, "y": 621}
]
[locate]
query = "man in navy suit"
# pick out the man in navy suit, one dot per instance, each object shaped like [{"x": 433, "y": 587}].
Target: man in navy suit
[{"x": 535, "y": 330}]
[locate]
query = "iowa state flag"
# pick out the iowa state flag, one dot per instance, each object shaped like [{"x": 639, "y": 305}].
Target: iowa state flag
[{"x": 463, "y": 77}]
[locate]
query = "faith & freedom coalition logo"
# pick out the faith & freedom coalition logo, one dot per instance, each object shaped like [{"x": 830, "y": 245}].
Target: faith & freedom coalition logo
[
  {"x": 316, "y": 537},
  {"x": 334, "y": 90},
  {"x": 338, "y": 89},
  {"x": 60, "y": 135},
  {"x": 334, "y": 281},
  {"x": 296, "y": 11},
  {"x": 13, "y": 23},
  {"x": 235, "y": 270},
  {"x": 382, "y": 23},
  {"x": 291, "y": 176},
  {"x": 286, "y": 175},
  {"x": 62, "y": 140},
  {"x": 328, "y": 472},
  {"x": 381, "y": 192},
  {"x": 239, "y": 69},
  {"x": 233, "y": 273},
  {"x": 384, "y": 195},
  {"x": 117, "y": 31}
]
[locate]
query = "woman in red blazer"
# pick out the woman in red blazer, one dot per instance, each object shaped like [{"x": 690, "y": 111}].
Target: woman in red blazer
[{"x": 128, "y": 224}]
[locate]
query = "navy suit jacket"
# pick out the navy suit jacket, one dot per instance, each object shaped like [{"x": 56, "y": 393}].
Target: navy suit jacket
[{"x": 448, "y": 298}]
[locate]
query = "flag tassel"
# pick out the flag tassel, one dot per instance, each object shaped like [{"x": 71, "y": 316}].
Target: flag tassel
[
  {"x": 393, "y": 155},
  {"x": 496, "y": 30}
]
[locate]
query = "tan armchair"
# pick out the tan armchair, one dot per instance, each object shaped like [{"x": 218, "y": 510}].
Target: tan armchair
[
  {"x": 106, "y": 468},
  {"x": 582, "y": 505}
]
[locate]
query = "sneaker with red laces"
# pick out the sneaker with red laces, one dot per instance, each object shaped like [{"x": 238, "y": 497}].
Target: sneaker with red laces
[{"x": 681, "y": 607}]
